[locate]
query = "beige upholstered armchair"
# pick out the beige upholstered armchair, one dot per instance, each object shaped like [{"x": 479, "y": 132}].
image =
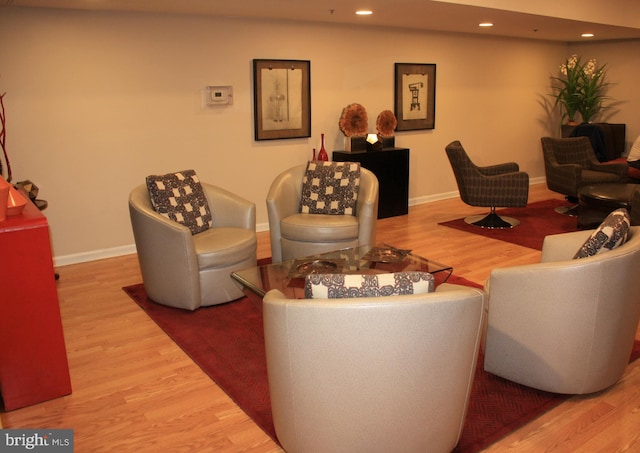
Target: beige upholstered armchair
[
  {"x": 565, "y": 325},
  {"x": 186, "y": 270},
  {"x": 571, "y": 163},
  {"x": 295, "y": 234},
  {"x": 372, "y": 374},
  {"x": 501, "y": 185}
]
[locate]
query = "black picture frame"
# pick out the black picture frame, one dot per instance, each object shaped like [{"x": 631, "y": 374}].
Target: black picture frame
[
  {"x": 282, "y": 99},
  {"x": 415, "y": 96}
]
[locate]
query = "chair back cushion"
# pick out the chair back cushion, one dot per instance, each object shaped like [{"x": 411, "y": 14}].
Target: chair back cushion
[
  {"x": 340, "y": 286},
  {"x": 180, "y": 197},
  {"x": 573, "y": 150},
  {"x": 330, "y": 188}
]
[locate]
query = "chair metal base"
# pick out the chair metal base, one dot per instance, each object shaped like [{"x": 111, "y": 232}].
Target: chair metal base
[
  {"x": 572, "y": 211},
  {"x": 492, "y": 220}
]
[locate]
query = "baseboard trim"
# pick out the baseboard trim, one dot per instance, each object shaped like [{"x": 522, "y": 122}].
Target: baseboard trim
[
  {"x": 94, "y": 255},
  {"x": 130, "y": 249}
]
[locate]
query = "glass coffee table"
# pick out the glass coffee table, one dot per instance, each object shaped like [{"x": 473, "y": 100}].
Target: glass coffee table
[{"x": 289, "y": 276}]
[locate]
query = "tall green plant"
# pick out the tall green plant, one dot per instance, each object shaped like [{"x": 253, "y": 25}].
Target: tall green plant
[
  {"x": 580, "y": 88},
  {"x": 592, "y": 90},
  {"x": 566, "y": 89}
]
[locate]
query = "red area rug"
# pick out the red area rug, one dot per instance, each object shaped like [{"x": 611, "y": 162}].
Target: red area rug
[
  {"x": 537, "y": 220},
  {"x": 227, "y": 342}
]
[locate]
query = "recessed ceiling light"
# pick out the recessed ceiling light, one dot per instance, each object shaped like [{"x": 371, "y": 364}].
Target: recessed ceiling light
[
  {"x": 364, "y": 12},
  {"x": 587, "y": 35},
  {"x": 485, "y": 24}
]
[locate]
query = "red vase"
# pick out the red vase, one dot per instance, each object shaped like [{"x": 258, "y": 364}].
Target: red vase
[
  {"x": 314, "y": 154},
  {"x": 322, "y": 155}
]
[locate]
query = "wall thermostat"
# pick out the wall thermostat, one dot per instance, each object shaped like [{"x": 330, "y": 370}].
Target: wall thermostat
[{"x": 219, "y": 95}]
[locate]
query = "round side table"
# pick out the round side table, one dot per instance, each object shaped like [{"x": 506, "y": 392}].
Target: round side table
[{"x": 597, "y": 201}]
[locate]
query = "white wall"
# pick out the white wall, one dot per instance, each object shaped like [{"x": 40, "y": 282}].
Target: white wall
[{"x": 97, "y": 101}]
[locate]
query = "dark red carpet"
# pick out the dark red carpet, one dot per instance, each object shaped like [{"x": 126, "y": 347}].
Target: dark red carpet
[
  {"x": 537, "y": 220},
  {"x": 227, "y": 342}
]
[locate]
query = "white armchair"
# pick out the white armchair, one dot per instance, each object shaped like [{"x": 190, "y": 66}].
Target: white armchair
[
  {"x": 369, "y": 374},
  {"x": 189, "y": 271},
  {"x": 294, "y": 235},
  {"x": 565, "y": 325}
]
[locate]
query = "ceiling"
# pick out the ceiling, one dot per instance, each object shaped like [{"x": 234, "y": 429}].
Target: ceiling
[{"x": 544, "y": 19}]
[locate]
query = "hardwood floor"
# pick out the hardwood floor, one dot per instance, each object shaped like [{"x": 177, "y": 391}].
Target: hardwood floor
[{"x": 134, "y": 390}]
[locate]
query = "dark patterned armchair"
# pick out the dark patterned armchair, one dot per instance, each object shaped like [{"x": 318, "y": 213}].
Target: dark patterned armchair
[
  {"x": 571, "y": 163},
  {"x": 502, "y": 185}
]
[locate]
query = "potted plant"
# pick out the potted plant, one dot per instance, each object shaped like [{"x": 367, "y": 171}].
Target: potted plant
[{"x": 579, "y": 89}]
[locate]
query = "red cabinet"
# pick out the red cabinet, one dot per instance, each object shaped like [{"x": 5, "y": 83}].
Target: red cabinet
[{"x": 33, "y": 356}]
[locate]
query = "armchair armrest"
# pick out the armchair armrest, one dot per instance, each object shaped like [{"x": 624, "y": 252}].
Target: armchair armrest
[
  {"x": 283, "y": 200},
  {"x": 621, "y": 169},
  {"x": 564, "y": 178},
  {"x": 367, "y": 207},
  {"x": 507, "y": 189},
  {"x": 492, "y": 170},
  {"x": 229, "y": 209}
]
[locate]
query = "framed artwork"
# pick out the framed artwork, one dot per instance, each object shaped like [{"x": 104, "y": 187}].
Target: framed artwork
[
  {"x": 282, "y": 99},
  {"x": 415, "y": 96}
]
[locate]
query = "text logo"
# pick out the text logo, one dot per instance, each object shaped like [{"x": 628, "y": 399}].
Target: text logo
[{"x": 36, "y": 440}]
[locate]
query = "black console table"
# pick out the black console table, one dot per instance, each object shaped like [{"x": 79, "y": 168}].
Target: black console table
[{"x": 391, "y": 167}]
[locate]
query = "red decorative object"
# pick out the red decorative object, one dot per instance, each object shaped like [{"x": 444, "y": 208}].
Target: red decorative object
[
  {"x": 15, "y": 202},
  {"x": 33, "y": 357},
  {"x": 5, "y": 187},
  {"x": 322, "y": 155},
  {"x": 314, "y": 154}
]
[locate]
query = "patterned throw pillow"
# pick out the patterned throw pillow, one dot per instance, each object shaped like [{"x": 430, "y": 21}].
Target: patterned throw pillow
[
  {"x": 330, "y": 188},
  {"x": 612, "y": 233},
  {"x": 339, "y": 286},
  {"x": 180, "y": 197}
]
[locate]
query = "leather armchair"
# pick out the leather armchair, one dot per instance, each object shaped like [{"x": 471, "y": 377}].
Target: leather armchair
[
  {"x": 565, "y": 325},
  {"x": 571, "y": 163},
  {"x": 189, "y": 271},
  {"x": 372, "y": 374},
  {"x": 295, "y": 235},
  {"x": 502, "y": 185}
]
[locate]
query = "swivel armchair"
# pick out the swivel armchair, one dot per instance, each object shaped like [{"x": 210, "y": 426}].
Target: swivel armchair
[
  {"x": 295, "y": 234},
  {"x": 186, "y": 270},
  {"x": 502, "y": 185},
  {"x": 372, "y": 374},
  {"x": 571, "y": 163},
  {"x": 565, "y": 325}
]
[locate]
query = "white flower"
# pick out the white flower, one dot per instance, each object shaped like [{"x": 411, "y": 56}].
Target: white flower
[{"x": 590, "y": 68}]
